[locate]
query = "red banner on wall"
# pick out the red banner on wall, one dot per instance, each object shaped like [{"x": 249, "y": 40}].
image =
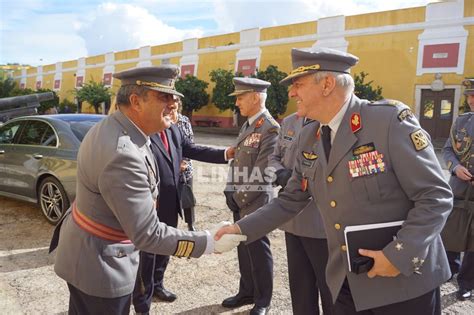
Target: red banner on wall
[
  {"x": 107, "y": 78},
  {"x": 79, "y": 81},
  {"x": 247, "y": 66},
  {"x": 187, "y": 69},
  {"x": 441, "y": 56}
]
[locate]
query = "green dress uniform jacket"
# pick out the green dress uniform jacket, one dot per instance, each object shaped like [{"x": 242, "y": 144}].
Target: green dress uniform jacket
[
  {"x": 116, "y": 187},
  {"x": 408, "y": 184},
  {"x": 250, "y": 178},
  {"x": 458, "y": 150},
  {"x": 307, "y": 223}
]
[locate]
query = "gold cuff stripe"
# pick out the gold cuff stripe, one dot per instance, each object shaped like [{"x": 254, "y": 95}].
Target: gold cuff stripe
[
  {"x": 154, "y": 84},
  {"x": 189, "y": 249},
  {"x": 305, "y": 68},
  {"x": 184, "y": 249}
]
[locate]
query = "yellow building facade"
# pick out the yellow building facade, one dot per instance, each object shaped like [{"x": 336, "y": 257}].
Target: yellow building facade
[{"x": 417, "y": 55}]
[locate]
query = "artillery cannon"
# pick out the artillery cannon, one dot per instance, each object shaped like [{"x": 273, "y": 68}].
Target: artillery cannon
[{"x": 15, "y": 106}]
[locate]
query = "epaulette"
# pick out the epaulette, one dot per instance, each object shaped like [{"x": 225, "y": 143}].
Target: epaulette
[
  {"x": 274, "y": 130},
  {"x": 388, "y": 102},
  {"x": 467, "y": 114}
]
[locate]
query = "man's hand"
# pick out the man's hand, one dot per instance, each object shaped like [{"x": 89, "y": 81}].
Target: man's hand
[
  {"x": 382, "y": 266},
  {"x": 227, "y": 229},
  {"x": 229, "y": 153},
  {"x": 183, "y": 165},
  {"x": 226, "y": 242},
  {"x": 229, "y": 200},
  {"x": 462, "y": 173}
]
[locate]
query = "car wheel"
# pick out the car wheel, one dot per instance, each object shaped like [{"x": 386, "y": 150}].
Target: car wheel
[{"x": 52, "y": 199}]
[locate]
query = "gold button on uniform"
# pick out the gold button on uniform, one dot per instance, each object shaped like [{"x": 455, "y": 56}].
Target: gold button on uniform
[
  {"x": 333, "y": 204},
  {"x": 343, "y": 248},
  {"x": 337, "y": 226},
  {"x": 330, "y": 179}
]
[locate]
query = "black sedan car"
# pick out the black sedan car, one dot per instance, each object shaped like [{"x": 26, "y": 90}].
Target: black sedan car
[{"x": 38, "y": 159}]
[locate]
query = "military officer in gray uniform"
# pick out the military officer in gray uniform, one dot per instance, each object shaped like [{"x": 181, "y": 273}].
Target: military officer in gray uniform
[
  {"x": 458, "y": 153},
  {"x": 306, "y": 245},
  {"x": 114, "y": 212},
  {"x": 372, "y": 164},
  {"x": 248, "y": 188}
]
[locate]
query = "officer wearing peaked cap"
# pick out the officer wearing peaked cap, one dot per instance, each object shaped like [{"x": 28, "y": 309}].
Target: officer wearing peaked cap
[
  {"x": 358, "y": 174},
  {"x": 248, "y": 188},
  {"x": 458, "y": 153},
  {"x": 114, "y": 212}
]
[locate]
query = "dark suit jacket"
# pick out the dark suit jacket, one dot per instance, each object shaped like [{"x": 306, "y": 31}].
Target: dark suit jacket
[{"x": 169, "y": 204}]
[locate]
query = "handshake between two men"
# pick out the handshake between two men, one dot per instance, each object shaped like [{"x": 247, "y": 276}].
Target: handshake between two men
[{"x": 226, "y": 242}]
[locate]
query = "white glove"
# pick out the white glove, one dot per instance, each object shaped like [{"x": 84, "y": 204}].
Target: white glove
[{"x": 228, "y": 242}]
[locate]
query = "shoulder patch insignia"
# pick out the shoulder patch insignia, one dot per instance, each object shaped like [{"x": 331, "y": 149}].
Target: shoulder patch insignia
[
  {"x": 419, "y": 140},
  {"x": 309, "y": 155},
  {"x": 404, "y": 114},
  {"x": 184, "y": 249}
]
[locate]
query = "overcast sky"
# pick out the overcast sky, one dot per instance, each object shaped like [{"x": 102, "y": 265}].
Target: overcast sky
[{"x": 39, "y": 32}]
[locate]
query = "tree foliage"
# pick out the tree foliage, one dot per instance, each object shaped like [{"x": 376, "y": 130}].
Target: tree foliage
[
  {"x": 224, "y": 86},
  {"x": 277, "y": 94},
  {"x": 194, "y": 91},
  {"x": 365, "y": 90},
  {"x": 93, "y": 93},
  {"x": 7, "y": 86}
]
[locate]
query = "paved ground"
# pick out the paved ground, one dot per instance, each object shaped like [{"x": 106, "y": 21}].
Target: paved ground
[{"x": 28, "y": 284}]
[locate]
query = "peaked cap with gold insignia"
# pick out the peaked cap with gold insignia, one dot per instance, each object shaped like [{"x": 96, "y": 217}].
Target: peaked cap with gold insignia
[
  {"x": 160, "y": 78},
  {"x": 310, "y": 60}
]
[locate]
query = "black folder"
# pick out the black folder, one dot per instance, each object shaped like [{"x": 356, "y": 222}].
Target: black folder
[{"x": 368, "y": 236}]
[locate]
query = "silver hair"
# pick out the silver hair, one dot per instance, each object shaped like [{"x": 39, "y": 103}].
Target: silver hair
[{"x": 343, "y": 80}]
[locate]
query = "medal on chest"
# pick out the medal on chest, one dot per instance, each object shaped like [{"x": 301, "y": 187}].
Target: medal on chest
[{"x": 366, "y": 161}]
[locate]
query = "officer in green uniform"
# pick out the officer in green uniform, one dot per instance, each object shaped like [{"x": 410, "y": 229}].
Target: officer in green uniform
[
  {"x": 458, "y": 155},
  {"x": 372, "y": 164}
]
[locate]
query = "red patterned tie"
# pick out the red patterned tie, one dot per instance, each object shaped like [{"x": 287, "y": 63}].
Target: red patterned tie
[{"x": 164, "y": 139}]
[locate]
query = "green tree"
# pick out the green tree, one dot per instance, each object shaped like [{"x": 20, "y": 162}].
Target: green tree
[
  {"x": 94, "y": 93},
  {"x": 365, "y": 90},
  {"x": 6, "y": 87},
  {"x": 277, "y": 94},
  {"x": 195, "y": 95},
  {"x": 224, "y": 86}
]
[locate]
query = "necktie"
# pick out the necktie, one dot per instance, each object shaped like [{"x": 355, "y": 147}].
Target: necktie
[
  {"x": 326, "y": 137},
  {"x": 164, "y": 139}
]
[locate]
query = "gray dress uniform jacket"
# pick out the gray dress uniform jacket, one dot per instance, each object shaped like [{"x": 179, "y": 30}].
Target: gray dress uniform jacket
[
  {"x": 250, "y": 178},
  {"x": 116, "y": 187},
  {"x": 461, "y": 136},
  {"x": 307, "y": 223},
  {"x": 411, "y": 188}
]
